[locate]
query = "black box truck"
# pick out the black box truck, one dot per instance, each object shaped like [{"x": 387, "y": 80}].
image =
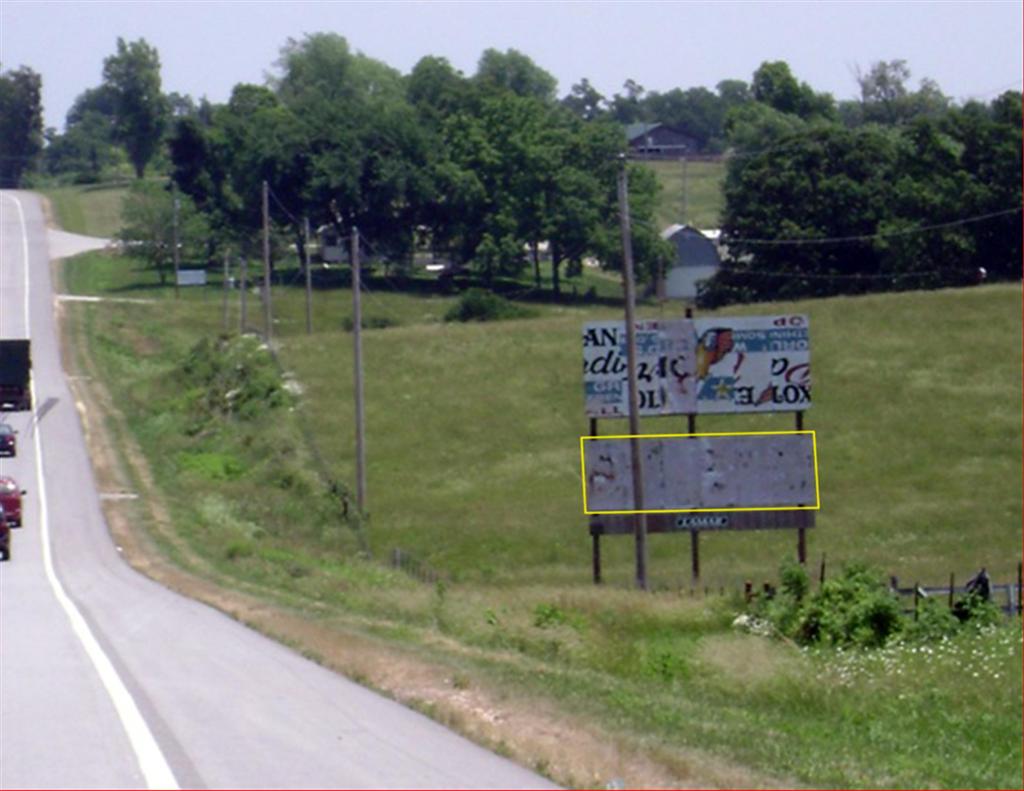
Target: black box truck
[{"x": 15, "y": 367}]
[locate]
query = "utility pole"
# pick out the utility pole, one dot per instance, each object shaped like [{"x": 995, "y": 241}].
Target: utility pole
[
  {"x": 268, "y": 314},
  {"x": 243, "y": 296},
  {"x": 309, "y": 277},
  {"x": 177, "y": 245},
  {"x": 224, "y": 289},
  {"x": 357, "y": 325},
  {"x": 686, "y": 184},
  {"x": 639, "y": 518}
]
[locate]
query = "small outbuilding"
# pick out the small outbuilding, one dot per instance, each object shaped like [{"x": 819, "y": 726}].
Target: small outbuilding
[
  {"x": 697, "y": 259},
  {"x": 659, "y": 141}
]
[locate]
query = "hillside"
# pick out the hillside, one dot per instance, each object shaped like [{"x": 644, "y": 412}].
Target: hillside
[{"x": 472, "y": 436}]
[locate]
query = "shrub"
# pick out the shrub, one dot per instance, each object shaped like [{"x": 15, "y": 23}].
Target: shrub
[
  {"x": 477, "y": 304},
  {"x": 854, "y": 609},
  {"x": 232, "y": 377}
]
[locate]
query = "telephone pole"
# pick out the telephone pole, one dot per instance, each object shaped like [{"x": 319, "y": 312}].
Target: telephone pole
[
  {"x": 268, "y": 313},
  {"x": 177, "y": 245},
  {"x": 357, "y": 325},
  {"x": 309, "y": 277},
  {"x": 639, "y": 518}
]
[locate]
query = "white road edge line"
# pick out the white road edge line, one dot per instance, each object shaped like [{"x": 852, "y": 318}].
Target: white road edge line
[{"x": 151, "y": 759}]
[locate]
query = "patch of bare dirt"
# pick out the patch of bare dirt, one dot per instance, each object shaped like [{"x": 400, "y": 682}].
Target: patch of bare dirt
[{"x": 532, "y": 732}]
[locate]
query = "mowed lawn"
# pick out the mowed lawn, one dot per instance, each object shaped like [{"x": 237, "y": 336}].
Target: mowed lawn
[{"x": 691, "y": 193}]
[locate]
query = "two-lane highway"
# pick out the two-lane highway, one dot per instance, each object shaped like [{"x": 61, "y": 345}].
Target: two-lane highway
[{"x": 110, "y": 680}]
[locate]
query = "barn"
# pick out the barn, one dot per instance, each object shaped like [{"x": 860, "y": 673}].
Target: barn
[{"x": 659, "y": 141}]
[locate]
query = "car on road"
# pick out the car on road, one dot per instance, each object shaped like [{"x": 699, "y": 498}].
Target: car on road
[
  {"x": 8, "y": 440},
  {"x": 5, "y": 536},
  {"x": 10, "y": 500}
]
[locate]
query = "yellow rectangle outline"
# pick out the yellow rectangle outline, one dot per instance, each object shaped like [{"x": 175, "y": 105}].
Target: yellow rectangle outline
[{"x": 814, "y": 449}]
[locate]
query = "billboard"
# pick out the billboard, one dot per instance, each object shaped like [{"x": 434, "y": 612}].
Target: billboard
[
  {"x": 665, "y": 367},
  {"x": 702, "y": 472},
  {"x": 753, "y": 364}
]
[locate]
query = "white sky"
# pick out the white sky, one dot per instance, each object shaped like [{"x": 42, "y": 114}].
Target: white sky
[{"x": 972, "y": 49}]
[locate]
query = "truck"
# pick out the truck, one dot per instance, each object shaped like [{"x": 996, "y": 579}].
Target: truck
[{"x": 15, "y": 368}]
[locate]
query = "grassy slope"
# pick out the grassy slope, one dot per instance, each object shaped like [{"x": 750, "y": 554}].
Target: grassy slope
[
  {"x": 91, "y": 211},
  {"x": 702, "y": 203},
  {"x": 472, "y": 434}
]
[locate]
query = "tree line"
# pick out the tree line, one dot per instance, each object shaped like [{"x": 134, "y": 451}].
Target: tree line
[{"x": 899, "y": 188}]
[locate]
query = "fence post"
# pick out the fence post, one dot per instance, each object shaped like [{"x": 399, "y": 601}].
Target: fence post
[
  {"x": 952, "y": 584},
  {"x": 1020, "y": 573},
  {"x": 917, "y": 595}
]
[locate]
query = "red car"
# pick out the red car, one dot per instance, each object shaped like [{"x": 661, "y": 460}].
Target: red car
[
  {"x": 5, "y": 537},
  {"x": 10, "y": 501},
  {"x": 8, "y": 441}
]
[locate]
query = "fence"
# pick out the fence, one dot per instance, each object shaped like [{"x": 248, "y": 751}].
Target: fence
[{"x": 1007, "y": 595}]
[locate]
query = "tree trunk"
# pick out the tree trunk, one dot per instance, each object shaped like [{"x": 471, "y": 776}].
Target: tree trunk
[
  {"x": 556, "y": 264},
  {"x": 536, "y": 264}
]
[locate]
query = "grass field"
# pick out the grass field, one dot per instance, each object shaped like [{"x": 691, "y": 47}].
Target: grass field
[
  {"x": 92, "y": 211},
  {"x": 691, "y": 193},
  {"x": 472, "y": 434}
]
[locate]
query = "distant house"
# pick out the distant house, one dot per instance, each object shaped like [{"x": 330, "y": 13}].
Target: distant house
[
  {"x": 659, "y": 141},
  {"x": 697, "y": 259}
]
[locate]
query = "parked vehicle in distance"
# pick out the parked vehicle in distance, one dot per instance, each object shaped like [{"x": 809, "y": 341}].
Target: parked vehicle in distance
[
  {"x": 5, "y": 536},
  {"x": 15, "y": 367},
  {"x": 10, "y": 501},
  {"x": 8, "y": 440}
]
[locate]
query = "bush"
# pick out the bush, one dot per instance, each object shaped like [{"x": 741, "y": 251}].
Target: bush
[
  {"x": 368, "y": 323},
  {"x": 477, "y": 304},
  {"x": 854, "y": 609},
  {"x": 232, "y": 377}
]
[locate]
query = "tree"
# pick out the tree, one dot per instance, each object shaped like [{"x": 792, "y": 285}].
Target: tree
[
  {"x": 148, "y": 227},
  {"x": 132, "y": 76},
  {"x": 585, "y": 101},
  {"x": 21, "y": 124},
  {"x": 774, "y": 84},
  {"x": 437, "y": 90},
  {"x": 628, "y": 108},
  {"x": 87, "y": 150},
  {"x": 886, "y": 99},
  {"x": 513, "y": 71}
]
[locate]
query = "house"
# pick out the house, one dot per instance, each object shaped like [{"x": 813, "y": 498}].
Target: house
[
  {"x": 659, "y": 141},
  {"x": 697, "y": 259}
]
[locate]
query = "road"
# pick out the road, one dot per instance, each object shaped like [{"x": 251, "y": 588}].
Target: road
[{"x": 109, "y": 680}]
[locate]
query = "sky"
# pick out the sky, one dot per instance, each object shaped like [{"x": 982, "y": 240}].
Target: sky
[{"x": 971, "y": 49}]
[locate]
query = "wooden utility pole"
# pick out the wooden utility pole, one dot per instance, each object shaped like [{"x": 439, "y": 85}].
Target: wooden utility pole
[
  {"x": 243, "y": 296},
  {"x": 224, "y": 289},
  {"x": 309, "y": 277},
  {"x": 268, "y": 314},
  {"x": 357, "y": 322},
  {"x": 177, "y": 245},
  {"x": 639, "y": 519}
]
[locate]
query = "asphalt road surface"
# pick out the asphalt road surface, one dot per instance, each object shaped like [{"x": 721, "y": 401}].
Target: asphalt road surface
[{"x": 109, "y": 680}]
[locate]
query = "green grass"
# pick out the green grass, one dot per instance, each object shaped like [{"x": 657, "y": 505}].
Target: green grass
[
  {"x": 93, "y": 210},
  {"x": 690, "y": 195},
  {"x": 472, "y": 442}
]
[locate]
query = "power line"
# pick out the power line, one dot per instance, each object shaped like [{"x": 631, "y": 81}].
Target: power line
[{"x": 871, "y": 237}]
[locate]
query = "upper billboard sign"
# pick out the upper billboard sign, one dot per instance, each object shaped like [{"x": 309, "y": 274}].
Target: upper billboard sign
[{"x": 713, "y": 365}]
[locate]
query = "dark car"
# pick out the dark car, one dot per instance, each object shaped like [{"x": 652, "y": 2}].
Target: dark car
[
  {"x": 5, "y": 536},
  {"x": 8, "y": 440},
  {"x": 10, "y": 501}
]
